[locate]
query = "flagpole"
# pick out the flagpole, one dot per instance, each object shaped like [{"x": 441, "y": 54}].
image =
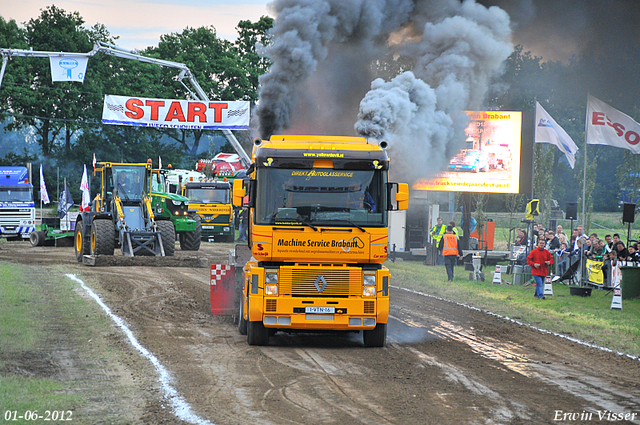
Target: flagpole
[{"x": 584, "y": 169}]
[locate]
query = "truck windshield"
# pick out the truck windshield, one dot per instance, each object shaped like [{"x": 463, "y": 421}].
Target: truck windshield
[
  {"x": 16, "y": 194},
  {"x": 321, "y": 197},
  {"x": 129, "y": 181},
  {"x": 208, "y": 195}
]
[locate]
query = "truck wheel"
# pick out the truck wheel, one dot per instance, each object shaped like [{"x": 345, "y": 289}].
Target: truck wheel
[
  {"x": 36, "y": 238},
  {"x": 257, "y": 334},
  {"x": 377, "y": 337},
  {"x": 102, "y": 237},
  {"x": 80, "y": 243},
  {"x": 190, "y": 241},
  {"x": 168, "y": 234},
  {"x": 242, "y": 323}
]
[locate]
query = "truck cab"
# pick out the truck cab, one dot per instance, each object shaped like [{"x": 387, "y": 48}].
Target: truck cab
[
  {"x": 211, "y": 199},
  {"x": 17, "y": 208},
  {"x": 318, "y": 236}
]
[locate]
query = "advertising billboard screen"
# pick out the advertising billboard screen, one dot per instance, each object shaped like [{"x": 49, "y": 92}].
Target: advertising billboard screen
[{"x": 489, "y": 161}]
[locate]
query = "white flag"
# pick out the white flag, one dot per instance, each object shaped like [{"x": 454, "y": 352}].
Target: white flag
[
  {"x": 68, "y": 68},
  {"x": 44, "y": 195},
  {"x": 159, "y": 163},
  {"x": 94, "y": 162},
  {"x": 548, "y": 131},
  {"x": 86, "y": 194},
  {"x": 608, "y": 126}
]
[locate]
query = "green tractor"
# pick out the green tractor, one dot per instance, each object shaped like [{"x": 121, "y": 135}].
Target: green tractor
[
  {"x": 121, "y": 216},
  {"x": 172, "y": 206}
]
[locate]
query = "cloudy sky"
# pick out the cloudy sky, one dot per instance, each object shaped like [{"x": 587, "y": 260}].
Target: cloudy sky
[
  {"x": 139, "y": 23},
  {"x": 553, "y": 29}
]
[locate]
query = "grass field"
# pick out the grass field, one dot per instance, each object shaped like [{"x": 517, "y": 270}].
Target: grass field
[
  {"x": 22, "y": 331},
  {"x": 589, "y": 319}
]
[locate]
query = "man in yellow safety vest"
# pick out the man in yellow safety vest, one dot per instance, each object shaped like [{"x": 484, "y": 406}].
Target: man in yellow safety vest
[
  {"x": 450, "y": 250},
  {"x": 437, "y": 232}
]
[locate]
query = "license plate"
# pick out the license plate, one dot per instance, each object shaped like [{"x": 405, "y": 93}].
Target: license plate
[{"x": 320, "y": 310}]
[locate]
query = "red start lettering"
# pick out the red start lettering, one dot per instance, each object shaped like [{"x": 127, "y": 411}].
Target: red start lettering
[
  {"x": 133, "y": 105},
  {"x": 197, "y": 109},
  {"x": 155, "y": 105},
  {"x": 218, "y": 107},
  {"x": 175, "y": 112}
]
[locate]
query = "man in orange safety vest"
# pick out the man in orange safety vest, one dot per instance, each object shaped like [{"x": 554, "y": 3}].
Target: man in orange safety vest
[{"x": 450, "y": 250}]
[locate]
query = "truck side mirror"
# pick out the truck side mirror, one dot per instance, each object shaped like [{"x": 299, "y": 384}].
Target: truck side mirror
[
  {"x": 238, "y": 192},
  {"x": 401, "y": 196}
]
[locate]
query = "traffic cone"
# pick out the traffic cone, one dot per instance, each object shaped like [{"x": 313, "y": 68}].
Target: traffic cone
[
  {"x": 616, "y": 300},
  {"x": 497, "y": 275},
  {"x": 548, "y": 288}
]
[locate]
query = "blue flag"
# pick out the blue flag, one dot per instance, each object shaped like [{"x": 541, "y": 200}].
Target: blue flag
[{"x": 65, "y": 202}]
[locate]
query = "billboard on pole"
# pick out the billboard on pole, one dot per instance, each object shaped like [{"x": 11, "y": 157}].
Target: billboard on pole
[{"x": 489, "y": 161}]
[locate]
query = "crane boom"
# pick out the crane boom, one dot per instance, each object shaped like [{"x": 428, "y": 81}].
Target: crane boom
[{"x": 108, "y": 49}]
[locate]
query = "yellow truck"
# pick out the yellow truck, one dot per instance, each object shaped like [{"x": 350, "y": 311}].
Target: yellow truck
[{"x": 318, "y": 235}]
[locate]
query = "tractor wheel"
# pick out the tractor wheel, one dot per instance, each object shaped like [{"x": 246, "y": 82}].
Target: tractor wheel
[
  {"x": 242, "y": 323},
  {"x": 102, "y": 237},
  {"x": 81, "y": 245},
  {"x": 257, "y": 334},
  {"x": 190, "y": 241},
  {"x": 36, "y": 238},
  {"x": 168, "y": 234},
  {"x": 377, "y": 337}
]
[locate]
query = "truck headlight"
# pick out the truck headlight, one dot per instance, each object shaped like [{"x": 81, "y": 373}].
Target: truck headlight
[
  {"x": 225, "y": 229},
  {"x": 368, "y": 291},
  {"x": 271, "y": 278},
  {"x": 271, "y": 289},
  {"x": 178, "y": 203},
  {"x": 369, "y": 279}
]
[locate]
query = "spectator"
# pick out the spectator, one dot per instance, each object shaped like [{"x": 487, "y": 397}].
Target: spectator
[
  {"x": 595, "y": 253},
  {"x": 562, "y": 258},
  {"x": 616, "y": 239},
  {"x": 552, "y": 242},
  {"x": 562, "y": 237},
  {"x": 450, "y": 247},
  {"x": 539, "y": 259},
  {"x": 577, "y": 234},
  {"x": 608, "y": 244},
  {"x": 634, "y": 255},
  {"x": 521, "y": 238},
  {"x": 620, "y": 251}
]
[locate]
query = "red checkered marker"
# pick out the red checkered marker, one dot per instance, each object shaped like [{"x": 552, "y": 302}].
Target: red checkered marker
[{"x": 218, "y": 271}]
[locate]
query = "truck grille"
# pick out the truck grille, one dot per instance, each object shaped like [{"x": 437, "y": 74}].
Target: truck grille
[
  {"x": 222, "y": 218},
  {"x": 340, "y": 281},
  {"x": 13, "y": 217},
  {"x": 272, "y": 305}
]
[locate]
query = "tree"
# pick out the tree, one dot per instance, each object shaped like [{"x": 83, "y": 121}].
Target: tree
[
  {"x": 34, "y": 98},
  {"x": 253, "y": 36}
]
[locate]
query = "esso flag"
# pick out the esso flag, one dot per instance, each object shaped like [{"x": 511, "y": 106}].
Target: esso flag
[
  {"x": 608, "y": 126},
  {"x": 169, "y": 113}
]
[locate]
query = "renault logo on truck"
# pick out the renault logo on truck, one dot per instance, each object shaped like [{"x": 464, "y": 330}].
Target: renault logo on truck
[{"x": 324, "y": 283}]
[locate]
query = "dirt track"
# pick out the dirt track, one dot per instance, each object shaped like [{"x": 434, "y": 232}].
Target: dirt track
[{"x": 444, "y": 364}]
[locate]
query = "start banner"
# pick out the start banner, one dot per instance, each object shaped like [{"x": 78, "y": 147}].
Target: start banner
[{"x": 169, "y": 113}]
